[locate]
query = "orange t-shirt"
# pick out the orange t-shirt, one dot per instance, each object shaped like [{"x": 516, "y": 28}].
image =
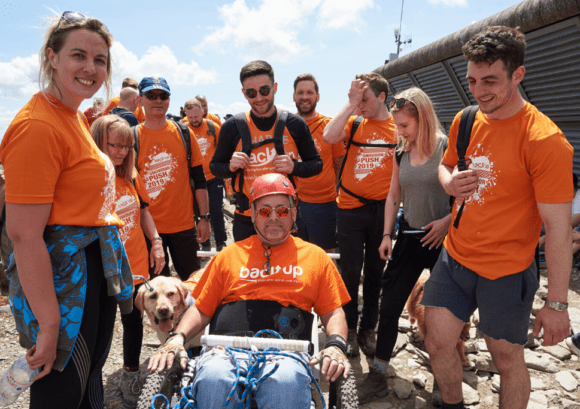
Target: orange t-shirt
[
  {"x": 261, "y": 157},
  {"x": 322, "y": 187},
  {"x": 114, "y": 102},
  {"x": 301, "y": 274},
  {"x": 128, "y": 208},
  {"x": 367, "y": 171},
  {"x": 207, "y": 144},
  {"x": 49, "y": 157},
  {"x": 163, "y": 165},
  {"x": 520, "y": 161}
]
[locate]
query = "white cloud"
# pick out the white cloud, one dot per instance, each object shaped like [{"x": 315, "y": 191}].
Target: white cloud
[
  {"x": 269, "y": 32},
  {"x": 335, "y": 14},
  {"x": 6, "y": 117},
  {"x": 451, "y": 3},
  {"x": 158, "y": 61},
  {"x": 18, "y": 78}
]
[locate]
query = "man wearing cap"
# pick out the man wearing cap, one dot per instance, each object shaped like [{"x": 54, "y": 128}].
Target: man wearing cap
[
  {"x": 274, "y": 267},
  {"x": 297, "y": 157},
  {"x": 162, "y": 162}
]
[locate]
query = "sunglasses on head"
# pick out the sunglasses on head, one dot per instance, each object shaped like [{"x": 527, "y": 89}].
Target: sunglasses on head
[
  {"x": 398, "y": 102},
  {"x": 252, "y": 93},
  {"x": 70, "y": 17},
  {"x": 266, "y": 211},
  {"x": 153, "y": 96}
]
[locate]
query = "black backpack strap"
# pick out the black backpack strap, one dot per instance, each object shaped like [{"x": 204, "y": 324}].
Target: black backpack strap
[
  {"x": 135, "y": 130},
  {"x": 142, "y": 204},
  {"x": 185, "y": 138},
  {"x": 211, "y": 130},
  {"x": 279, "y": 132},
  {"x": 242, "y": 201},
  {"x": 463, "y": 137},
  {"x": 355, "y": 126},
  {"x": 399, "y": 157}
]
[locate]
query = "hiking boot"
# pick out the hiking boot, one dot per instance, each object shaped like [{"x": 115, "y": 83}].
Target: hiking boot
[
  {"x": 367, "y": 341},
  {"x": 373, "y": 386},
  {"x": 130, "y": 388},
  {"x": 351, "y": 344}
]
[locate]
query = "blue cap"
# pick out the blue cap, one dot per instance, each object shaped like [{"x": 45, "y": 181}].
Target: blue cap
[{"x": 149, "y": 83}]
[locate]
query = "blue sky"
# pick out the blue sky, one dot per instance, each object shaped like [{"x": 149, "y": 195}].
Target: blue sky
[{"x": 200, "y": 46}]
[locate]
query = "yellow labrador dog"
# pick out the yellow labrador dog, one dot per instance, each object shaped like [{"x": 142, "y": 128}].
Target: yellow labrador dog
[{"x": 167, "y": 303}]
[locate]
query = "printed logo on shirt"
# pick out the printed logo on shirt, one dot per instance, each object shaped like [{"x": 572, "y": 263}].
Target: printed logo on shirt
[
  {"x": 290, "y": 272},
  {"x": 318, "y": 145},
  {"x": 158, "y": 172},
  {"x": 106, "y": 212},
  {"x": 203, "y": 145},
  {"x": 369, "y": 159},
  {"x": 127, "y": 209},
  {"x": 481, "y": 163}
]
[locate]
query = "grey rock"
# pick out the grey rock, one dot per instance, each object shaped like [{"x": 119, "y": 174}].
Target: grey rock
[
  {"x": 420, "y": 403},
  {"x": 400, "y": 344},
  {"x": 495, "y": 384},
  {"x": 537, "y": 400},
  {"x": 424, "y": 356},
  {"x": 567, "y": 381},
  {"x": 483, "y": 362},
  {"x": 559, "y": 352},
  {"x": 542, "y": 293},
  {"x": 471, "y": 379},
  {"x": 475, "y": 318},
  {"x": 470, "y": 395},
  {"x": 569, "y": 404},
  {"x": 540, "y": 363},
  {"x": 538, "y": 384},
  {"x": 405, "y": 325},
  {"x": 538, "y": 304},
  {"x": 471, "y": 347},
  {"x": 420, "y": 380},
  {"x": 403, "y": 388},
  {"x": 391, "y": 371},
  {"x": 574, "y": 314},
  {"x": 411, "y": 363}
]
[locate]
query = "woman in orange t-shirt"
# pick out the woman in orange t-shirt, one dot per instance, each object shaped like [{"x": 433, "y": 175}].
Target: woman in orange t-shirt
[
  {"x": 114, "y": 137},
  {"x": 69, "y": 269}
]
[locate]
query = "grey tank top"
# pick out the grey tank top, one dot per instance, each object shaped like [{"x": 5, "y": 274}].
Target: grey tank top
[{"x": 424, "y": 200}]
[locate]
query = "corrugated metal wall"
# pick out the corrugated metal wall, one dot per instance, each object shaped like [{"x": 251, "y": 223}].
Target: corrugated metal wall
[{"x": 551, "y": 82}]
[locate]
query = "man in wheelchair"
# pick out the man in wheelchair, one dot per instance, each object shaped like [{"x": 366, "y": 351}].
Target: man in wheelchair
[{"x": 290, "y": 277}]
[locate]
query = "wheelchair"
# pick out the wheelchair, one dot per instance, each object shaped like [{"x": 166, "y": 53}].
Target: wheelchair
[{"x": 172, "y": 388}]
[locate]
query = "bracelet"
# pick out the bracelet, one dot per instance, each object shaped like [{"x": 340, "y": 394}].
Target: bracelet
[
  {"x": 336, "y": 340},
  {"x": 156, "y": 238},
  {"x": 171, "y": 334},
  {"x": 387, "y": 234}
]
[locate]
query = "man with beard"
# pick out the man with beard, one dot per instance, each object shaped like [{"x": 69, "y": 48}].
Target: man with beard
[
  {"x": 206, "y": 115},
  {"x": 317, "y": 205},
  {"x": 293, "y": 154},
  {"x": 207, "y": 133}
]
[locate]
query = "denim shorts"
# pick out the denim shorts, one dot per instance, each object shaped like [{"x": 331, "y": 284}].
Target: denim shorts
[
  {"x": 317, "y": 223},
  {"x": 504, "y": 304}
]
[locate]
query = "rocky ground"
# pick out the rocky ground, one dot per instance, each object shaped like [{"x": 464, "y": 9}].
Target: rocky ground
[{"x": 555, "y": 372}]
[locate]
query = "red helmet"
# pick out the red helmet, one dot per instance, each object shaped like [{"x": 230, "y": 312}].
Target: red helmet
[{"x": 271, "y": 184}]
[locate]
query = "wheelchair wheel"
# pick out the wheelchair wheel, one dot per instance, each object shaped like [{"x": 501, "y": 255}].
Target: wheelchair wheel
[
  {"x": 343, "y": 393},
  {"x": 158, "y": 383}
]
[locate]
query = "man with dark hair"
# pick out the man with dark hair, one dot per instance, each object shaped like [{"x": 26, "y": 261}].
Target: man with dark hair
[
  {"x": 206, "y": 115},
  {"x": 162, "y": 163},
  {"x": 207, "y": 134},
  {"x": 114, "y": 102},
  {"x": 317, "y": 205},
  {"x": 364, "y": 186},
  {"x": 298, "y": 159},
  {"x": 129, "y": 100},
  {"x": 519, "y": 175}
]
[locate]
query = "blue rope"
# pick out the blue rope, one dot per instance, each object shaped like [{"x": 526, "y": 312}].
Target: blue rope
[{"x": 250, "y": 383}]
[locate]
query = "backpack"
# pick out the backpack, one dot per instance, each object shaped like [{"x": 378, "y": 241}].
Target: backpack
[
  {"x": 211, "y": 130},
  {"x": 242, "y": 201},
  {"x": 186, "y": 139},
  {"x": 339, "y": 185},
  {"x": 463, "y": 137}
]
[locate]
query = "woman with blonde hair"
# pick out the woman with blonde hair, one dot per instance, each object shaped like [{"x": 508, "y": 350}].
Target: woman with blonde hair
[
  {"x": 68, "y": 269},
  {"x": 426, "y": 219},
  {"x": 114, "y": 137}
]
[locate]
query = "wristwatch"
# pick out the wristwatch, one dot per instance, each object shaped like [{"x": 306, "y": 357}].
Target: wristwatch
[
  {"x": 204, "y": 216},
  {"x": 557, "y": 306}
]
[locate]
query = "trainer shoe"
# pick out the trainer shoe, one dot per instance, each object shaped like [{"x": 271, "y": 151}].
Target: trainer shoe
[
  {"x": 351, "y": 344},
  {"x": 130, "y": 388},
  {"x": 373, "y": 386},
  {"x": 573, "y": 347},
  {"x": 367, "y": 342}
]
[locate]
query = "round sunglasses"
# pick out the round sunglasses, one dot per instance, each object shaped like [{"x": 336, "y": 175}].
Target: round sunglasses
[
  {"x": 252, "y": 93},
  {"x": 281, "y": 211}
]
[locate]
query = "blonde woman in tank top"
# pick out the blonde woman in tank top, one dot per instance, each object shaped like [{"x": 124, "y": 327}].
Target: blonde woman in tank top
[{"x": 423, "y": 227}]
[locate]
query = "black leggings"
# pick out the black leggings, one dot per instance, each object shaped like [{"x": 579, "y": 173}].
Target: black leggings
[
  {"x": 132, "y": 334},
  {"x": 80, "y": 384},
  {"x": 183, "y": 248},
  {"x": 401, "y": 275}
]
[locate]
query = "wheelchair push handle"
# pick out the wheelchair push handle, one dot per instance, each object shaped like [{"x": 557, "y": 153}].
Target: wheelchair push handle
[{"x": 260, "y": 343}]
